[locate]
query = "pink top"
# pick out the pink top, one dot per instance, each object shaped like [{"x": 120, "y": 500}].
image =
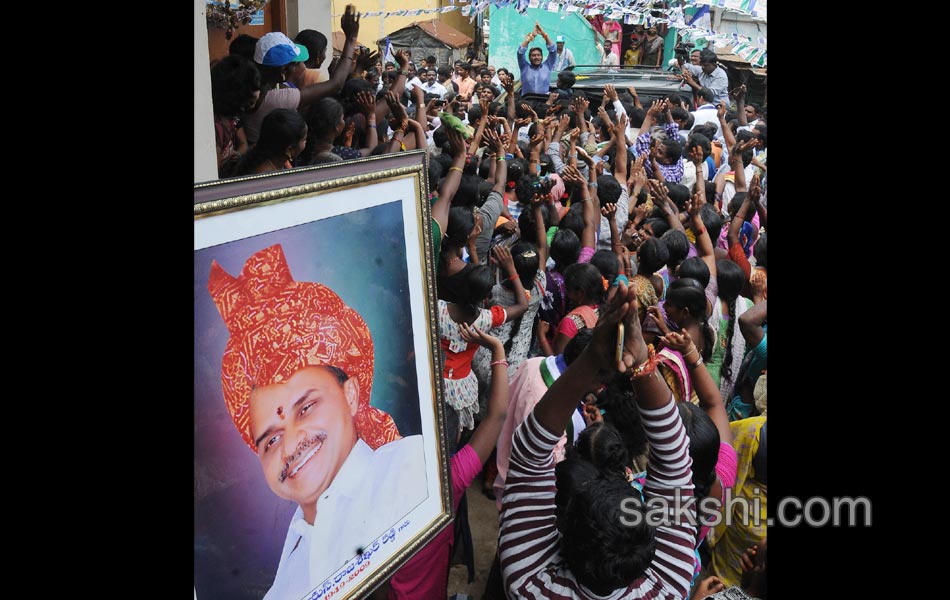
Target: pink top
[
  {"x": 426, "y": 575},
  {"x": 586, "y": 254},
  {"x": 527, "y": 387},
  {"x": 726, "y": 467}
]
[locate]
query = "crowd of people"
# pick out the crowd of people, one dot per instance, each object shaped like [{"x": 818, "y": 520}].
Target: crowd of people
[{"x": 602, "y": 297}]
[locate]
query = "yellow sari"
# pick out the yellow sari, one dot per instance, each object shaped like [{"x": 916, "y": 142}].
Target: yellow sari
[{"x": 728, "y": 544}]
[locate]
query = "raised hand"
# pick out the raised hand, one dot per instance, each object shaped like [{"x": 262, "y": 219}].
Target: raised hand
[
  {"x": 695, "y": 155},
  {"x": 502, "y": 257},
  {"x": 350, "y": 22},
  {"x": 654, "y": 311},
  {"x": 609, "y": 210},
  {"x": 366, "y": 102},
  {"x": 739, "y": 92},
  {"x": 348, "y": 135},
  {"x": 366, "y": 61},
  {"x": 402, "y": 59},
  {"x": 399, "y": 118},
  {"x": 610, "y": 92},
  {"x": 473, "y": 334},
  {"x": 457, "y": 143}
]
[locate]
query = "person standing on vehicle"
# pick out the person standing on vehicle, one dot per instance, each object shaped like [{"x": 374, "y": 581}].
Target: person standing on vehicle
[
  {"x": 565, "y": 58},
  {"x": 708, "y": 74},
  {"x": 535, "y": 74},
  {"x": 610, "y": 60}
]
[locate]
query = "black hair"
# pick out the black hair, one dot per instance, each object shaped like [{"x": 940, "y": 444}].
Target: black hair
[
  {"x": 315, "y": 42},
  {"x": 234, "y": 80},
  {"x": 606, "y": 263},
  {"x": 761, "y": 130},
  {"x": 601, "y": 444},
  {"x": 528, "y": 226},
  {"x": 618, "y": 402},
  {"x": 680, "y": 113},
  {"x": 703, "y": 447},
  {"x": 707, "y": 56},
  {"x": 599, "y": 546},
  {"x": 517, "y": 167},
  {"x": 711, "y": 219},
  {"x": 730, "y": 277},
  {"x": 659, "y": 226},
  {"x": 524, "y": 189},
  {"x": 525, "y": 256},
  {"x": 444, "y": 71},
  {"x": 689, "y": 294},
  {"x": 735, "y": 203},
  {"x": 587, "y": 279},
  {"x": 672, "y": 148},
  {"x": 609, "y": 189},
  {"x": 243, "y": 46},
  {"x": 652, "y": 255},
  {"x": 577, "y": 344},
  {"x": 678, "y": 245},
  {"x": 743, "y": 136},
  {"x": 566, "y": 79},
  {"x": 761, "y": 251},
  {"x": 695, "y": 268},
  {"x": 435, "y": 173},
  {"x": 698, "y": 139},
  {"x": 636, "y": 117},
  {"x": 678, "y": 193},
  {"x": 479, "y": 282},
  {"x": 431, "y": 60},
  {"x": 565, "y": 249},
  {"x": 325, "y": 116},
  {"x": 460, "y": 225},
  {"x": 573, "y": 220},
  {"x": 282, "y": 127},
  {"x": 707, "y": 129},
  {"x": 706, "y": 94}
]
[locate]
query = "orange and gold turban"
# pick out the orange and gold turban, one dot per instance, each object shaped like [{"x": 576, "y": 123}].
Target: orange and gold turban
[{"x": 279, "y": 326}]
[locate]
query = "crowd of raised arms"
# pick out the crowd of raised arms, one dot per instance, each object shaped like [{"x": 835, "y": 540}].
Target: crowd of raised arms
[{"x": 558, "y": 229}]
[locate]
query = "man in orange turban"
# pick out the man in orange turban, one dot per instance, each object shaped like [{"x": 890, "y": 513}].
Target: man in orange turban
[{"x": 297, "y": 373}]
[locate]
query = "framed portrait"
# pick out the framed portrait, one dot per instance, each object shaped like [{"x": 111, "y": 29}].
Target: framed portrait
[{"x": 320, "y": 453}]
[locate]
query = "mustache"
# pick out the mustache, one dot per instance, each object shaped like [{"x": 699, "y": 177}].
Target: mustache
[{"x": 302, "y": 448}]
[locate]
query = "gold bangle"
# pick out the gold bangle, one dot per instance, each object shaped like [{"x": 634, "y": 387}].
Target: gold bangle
[{"x": 459, "y": 169}]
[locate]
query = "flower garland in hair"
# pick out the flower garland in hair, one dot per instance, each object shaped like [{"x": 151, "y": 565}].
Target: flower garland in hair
[{"x": 221, "y": 15}]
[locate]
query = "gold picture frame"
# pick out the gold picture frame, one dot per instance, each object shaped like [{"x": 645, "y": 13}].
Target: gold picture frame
[{"x": 363, "y": 229}]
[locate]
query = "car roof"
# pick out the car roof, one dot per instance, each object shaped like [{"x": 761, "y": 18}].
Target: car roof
[{"x": 643, "y": 78}]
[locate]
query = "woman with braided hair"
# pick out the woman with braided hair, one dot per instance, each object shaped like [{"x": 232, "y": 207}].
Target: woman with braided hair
[{"x": 730, "y": 347}]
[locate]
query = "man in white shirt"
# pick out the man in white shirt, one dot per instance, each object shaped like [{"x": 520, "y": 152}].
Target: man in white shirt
[
  {"x": 297, "y": 373},
  {"x": 565, "y": 58},
  {"x": 432, "y": 86},
  {"x": 610, "y": 58}
]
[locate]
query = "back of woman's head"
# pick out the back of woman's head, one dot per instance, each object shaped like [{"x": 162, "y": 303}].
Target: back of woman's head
[
  {"x": 524, "y": 189},
  {"x": 730, "y": 278},
  {"x": 527, "y": 225},
  {"x": 573, "y": 220},
  {"x": 577, "y": 344},
  {"x": 679, "y": 194},
  {"x": 652, "y": 255},
  {"x": 234, "y": 80},
  {"x": 517, "y": 167},
  {"x": 703, "y": 446},
  {"x": 688, "y": 293},
  {"x": 478, "y": 283},
  {"x": 678, "y": 245},
  {"x": 282, "y": 127},
  {"x": 468, "y": 191},
  {"x": 659, "y": 226},
  {"x": 526, "y": 259},
  {"x": 606, "y": 263},
  {"x": 460, "y": 226},
  {"x": 565, "y": 249},
  {"x": 711, "y": 219},
  {"x": 587, "y": 279},
  {"x": 618, "y": 402},
  {"x": 694, "y": 268},
  {"x": 594, "y": 510},
  {"x": 325, "y": 116}
]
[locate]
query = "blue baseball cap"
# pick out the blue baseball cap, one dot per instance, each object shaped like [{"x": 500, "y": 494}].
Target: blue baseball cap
[{"x": 275, "y": 49}]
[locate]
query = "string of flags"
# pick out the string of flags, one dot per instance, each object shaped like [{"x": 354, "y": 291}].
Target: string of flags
[{"x": 634, "y": 12}]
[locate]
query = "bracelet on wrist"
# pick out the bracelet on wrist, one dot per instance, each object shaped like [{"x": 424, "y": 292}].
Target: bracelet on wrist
[
  {"x": 698, "y": 362},
  {"x": 498, "y": 362}
]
